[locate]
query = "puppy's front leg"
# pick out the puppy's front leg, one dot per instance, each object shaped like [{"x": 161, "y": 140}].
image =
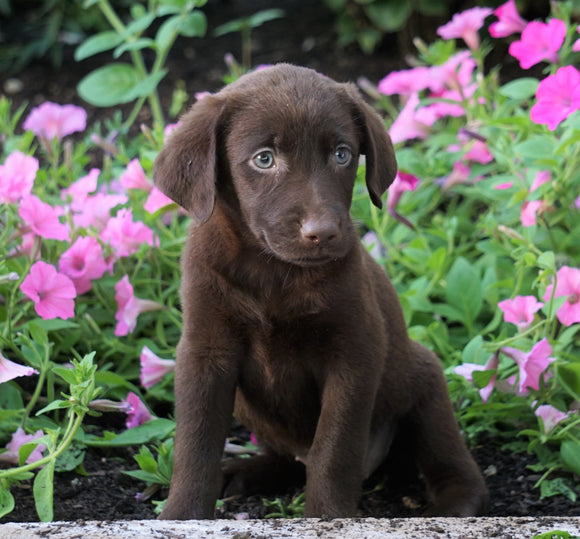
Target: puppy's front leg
[
  {"x": 205, "y": 379},
  {"x": 334, "y": 464}
]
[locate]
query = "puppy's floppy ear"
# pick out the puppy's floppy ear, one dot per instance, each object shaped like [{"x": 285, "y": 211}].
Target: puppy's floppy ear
[
  {"x": 376, "y": 145},
  {"x": 186, "y": 167}
]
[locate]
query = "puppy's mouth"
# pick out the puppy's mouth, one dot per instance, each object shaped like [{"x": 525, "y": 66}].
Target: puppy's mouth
[{"x": 298, "y": 257}]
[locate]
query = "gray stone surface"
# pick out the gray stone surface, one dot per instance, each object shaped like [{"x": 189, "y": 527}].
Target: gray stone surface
[{"x": 363, "y": 528}]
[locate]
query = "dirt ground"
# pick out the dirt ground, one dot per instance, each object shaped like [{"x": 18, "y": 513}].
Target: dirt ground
[{"x": 305, "y": 36}]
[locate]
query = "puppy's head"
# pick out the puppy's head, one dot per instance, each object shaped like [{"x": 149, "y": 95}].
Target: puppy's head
[{"x": 286, "y": 142}]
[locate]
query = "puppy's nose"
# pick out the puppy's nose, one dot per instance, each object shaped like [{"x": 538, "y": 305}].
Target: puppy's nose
[{"x": 319, "y": 231}]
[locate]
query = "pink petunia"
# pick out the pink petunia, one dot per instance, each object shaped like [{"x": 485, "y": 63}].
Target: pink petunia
[
  {"x": 502, "y": 186},
  {"x": 126, "y": 236},
  {"x": 478, "y": 153},
  {"x": 10, "y": 370},
  {"x": 156, "y": 200},
  {"x": 529, "y": 212},
  {"x": 550, "y": 416},
  {"x": 134, "y": 177},
  {"x": 139, "y": 413},
  {"x": 154, "y": 368},
  {"x": 539, "y": 42},
  {"x": 83, "y": 262},
  {"x": 17, "y": 176},
  {"x": 42, "y": 219},
  {"x": 405, "y": 82},
  {"x": 576, "y": 46},
  {"x": 467, "y": 369},
  {"x": 53, "y": 293},
  {"x": 78, "y": 191},
  {"x": 51, "y": 120},
  {"x": 520, "y": 310},
  {"x": 531, "y": 365},
  {"x": 129, "y": 307},
  {"x": 465, "y": 25},
  {"x": 557, "y": 96},
  {"x": 412, "y": 122},
  {"x": 456, "y": 73},
  {"x": 541, "y": 177},
  {"x": 19, "y": 438},
  {"x": 568, "y": 286},
  {"x": 509, "y": 21},
  {"x": 96, "y": 210},
  {"x": 460, "y": 174}
]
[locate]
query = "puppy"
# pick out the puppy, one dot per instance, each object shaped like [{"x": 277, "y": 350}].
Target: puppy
[{"x": 288, "y": 322}]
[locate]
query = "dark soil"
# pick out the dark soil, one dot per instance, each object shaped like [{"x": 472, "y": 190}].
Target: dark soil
[{"x": 305, "y": 36}]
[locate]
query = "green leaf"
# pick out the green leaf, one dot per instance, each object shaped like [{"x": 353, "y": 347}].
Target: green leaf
[
  {"x": 389, "y": 15},
  {"x": 167, "y": 32},
  {"x": 194, "y": 25},
  {"x": 463, "y": 290},
  {"x": 138, "y": 44},
  {"x": 156, "y": 429},
  {"x": 521, "y": 89},
  {"x": 10, "y": 397},
  {"x": 6, "y": 500},
  {"x": 473, "y": 352},
  {"x": 54, "y": 405},
  {"x": 142, "y": 476},
  {"x": 110, "y": 85},
  {"x": 536, "y": 147},
  {"x": 147, "y": 85},
  {"x": 68, "y": 375},
  {"x": 146, "y": 460},
  {"x": 43, "y": 490},
  {"x": 100, "y": 42},
  {"x": 570, "y": 453},
  {"x": 39, "y": 335},
  {"x": 568, "y": 376},
  {"x": 137, "y": 26}
]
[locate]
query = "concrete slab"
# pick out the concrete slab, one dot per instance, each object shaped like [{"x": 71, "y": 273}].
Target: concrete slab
[{"x": 363, "y": 528}]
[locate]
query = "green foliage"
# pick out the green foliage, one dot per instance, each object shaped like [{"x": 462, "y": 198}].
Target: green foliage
[
  {"x": 122, "y": 82},
  {"x": 279, "y": 509}
]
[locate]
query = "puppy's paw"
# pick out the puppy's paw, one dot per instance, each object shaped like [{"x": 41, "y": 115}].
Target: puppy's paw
[{"x": 459, "y": 501}]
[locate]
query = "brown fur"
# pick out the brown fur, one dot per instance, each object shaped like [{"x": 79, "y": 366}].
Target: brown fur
[{"x": 288, "y": 322}]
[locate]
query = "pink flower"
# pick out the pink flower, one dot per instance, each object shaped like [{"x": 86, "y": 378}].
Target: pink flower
[
  {"x": 78, "y": 191},
  {"x": 129, "y": 307},
  {"x": 466, "y": 25},
  {"x": 550, "y": 416},
  {"x": 170, "y": 128},
  {"x": 403, "y": 182},
  {"x": 83, "y": 262},
  {"x": 531, "y": 365},
  {"x": 529, "y": 212},
  {"x": 502, "y": 186},
  {"x": 467, "y": 369},
  {"x": 134, "y": 177},
  {"x": 460, "y": 174},
  {"x": 558, "y": 96},
  {"x": 19, "y": 438},
  {"x": 156, "y": 200},
  {"x": 17, "y": 176},
  {"x": 10, "y": 370},
  {"x": 412, "y": 122},
  {"x": 479, "y": 153},
  {"x": 153, "y": 368},
  {"x": 520, "y": 310},
  {"x": 455, "y": 74},
  {"x": 539, "y": 41},
  {"x": 42, "y": 218},
  {"x": 125, "y": 235},
  {"x": 541, "y": 177},
  {"x": 95, "y": 211},
  {"x": 51, "y": 120},
  {"x": 577, "y": 202},
  {"x": 576, "y": 46},
  {"x": 405, "y": 82},
  {"x": 509, "y": 21},
  {"x": 53, "y": 293},
  {"x": 139, "y": 413},
  {"x": 568, "y": 286}
]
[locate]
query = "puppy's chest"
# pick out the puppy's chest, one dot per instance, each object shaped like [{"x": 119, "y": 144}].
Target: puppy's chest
[{"x": 286, "y": 358}]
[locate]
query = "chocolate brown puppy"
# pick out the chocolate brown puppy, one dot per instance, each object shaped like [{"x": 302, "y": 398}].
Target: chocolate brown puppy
[{"x": 288, "y": 322}]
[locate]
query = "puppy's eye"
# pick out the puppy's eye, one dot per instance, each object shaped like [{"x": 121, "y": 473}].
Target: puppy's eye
[
  {"x": 264, "y": 159},
  {"x": 343, "y": 155}
]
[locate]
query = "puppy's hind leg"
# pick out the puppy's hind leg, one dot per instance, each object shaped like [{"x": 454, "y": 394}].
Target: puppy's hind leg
[
  {"x": 454, "y": 482},
  {"x": 262, "y": 474}
]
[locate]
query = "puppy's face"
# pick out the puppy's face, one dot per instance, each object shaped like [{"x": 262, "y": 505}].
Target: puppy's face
[
  {"x": 281, "y": 146},
  {"x": 293, "y": 162}
]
